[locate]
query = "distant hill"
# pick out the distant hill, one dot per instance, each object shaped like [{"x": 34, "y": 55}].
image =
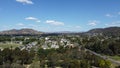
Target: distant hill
[
  {"x": 110, "y": 31},
  {"x": 20, "y": 32}
]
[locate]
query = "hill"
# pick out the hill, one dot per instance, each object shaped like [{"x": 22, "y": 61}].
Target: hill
[
  {"x": 20, "y": 32},
  {"x": 110, "y": 31}
]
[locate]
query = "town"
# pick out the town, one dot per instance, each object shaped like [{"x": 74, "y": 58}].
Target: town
[{"x": 59, "y": 51}]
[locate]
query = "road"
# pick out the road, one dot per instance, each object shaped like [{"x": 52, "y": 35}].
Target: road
[{"x": 104, "y": 57}]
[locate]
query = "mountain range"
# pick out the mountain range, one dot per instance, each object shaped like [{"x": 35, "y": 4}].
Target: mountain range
[{"x": 104, "y": 31}]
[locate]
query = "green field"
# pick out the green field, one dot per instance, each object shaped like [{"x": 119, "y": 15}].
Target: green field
[
  {"x": 116, "y": 57},
  {"x": 8, "y": 45}
]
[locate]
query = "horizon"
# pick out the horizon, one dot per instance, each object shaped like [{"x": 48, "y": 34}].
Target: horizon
[
  {"x": 57, "y": 16},
  {"x": 62, "y": 31}
]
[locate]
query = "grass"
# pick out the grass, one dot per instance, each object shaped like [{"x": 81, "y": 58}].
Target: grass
[
  {"x": 113, "y": 66},
  {"x": 115, "y": 57},
  {"x": 8, "y": 45},
  {"x": 35, "y": 64}
]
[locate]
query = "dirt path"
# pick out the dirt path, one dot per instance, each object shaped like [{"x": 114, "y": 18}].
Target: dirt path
[{"x": 27, "y": 66}]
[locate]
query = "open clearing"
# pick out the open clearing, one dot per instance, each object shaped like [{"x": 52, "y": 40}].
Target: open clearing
[
  {"x": 116, "y": 57},
  {"x": 8, "y": 45}
]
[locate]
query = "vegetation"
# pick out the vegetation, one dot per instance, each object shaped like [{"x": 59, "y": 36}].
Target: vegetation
[
  {"x": 115, "y": 57},
  {"x": 8, "y": 45},
  {"x": 110, "y": 46},
  {"x": 16, "y": 57},
  {"x": 70, "y": 58},
  {"x": 64, "y": 51}
]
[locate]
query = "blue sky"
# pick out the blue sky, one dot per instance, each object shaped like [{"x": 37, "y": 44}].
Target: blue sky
[{"x": 59, "y": 15}]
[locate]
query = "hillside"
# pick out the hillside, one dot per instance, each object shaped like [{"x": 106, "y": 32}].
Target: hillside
[
  {"x": 110, "y": 31},
  {"x": 20, "y": 32}
]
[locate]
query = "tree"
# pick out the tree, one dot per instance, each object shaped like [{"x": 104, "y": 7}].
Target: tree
[
  {"x": 25, "y": 57},
  {"x": 53, "y": 59},
  {"x": 104, "y": 64},
  {"x": 7, "y": 55},
  {"x": 41, "y": 54},
  {"x": 84, "y": 64},
  {"x": 1, "y": 58}
]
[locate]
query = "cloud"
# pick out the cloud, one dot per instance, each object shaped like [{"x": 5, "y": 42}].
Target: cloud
[
  {"x": 109, "y": 15},
  {"x": 38, "y": 21},
  {"x": 116, "y": 23},
  {"x": 93, "y": 23},
  {"x": 20, "y": 24},
  {"x": 113, "y": 15},
  {"x": 25, "y": 1},
  {"x": 32, "y": 26},
  {"x": 33, "y": 19},
  {"x": 118, "y": 13},
  {"x": 5, "y": 27},
  {"x": 53, "y": 22},
  {"x": 77, "y": 26}
]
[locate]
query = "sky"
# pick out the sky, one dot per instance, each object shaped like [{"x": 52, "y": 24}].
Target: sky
[{"x": 59, "y": 15}]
